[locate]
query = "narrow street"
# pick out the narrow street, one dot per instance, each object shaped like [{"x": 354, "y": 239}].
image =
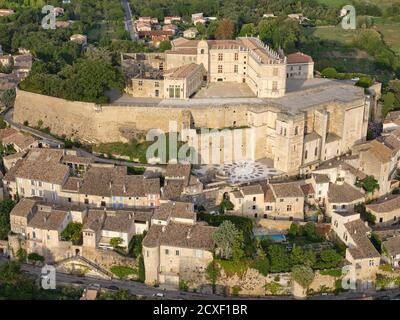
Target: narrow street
[{"x": 129, "y": 21}]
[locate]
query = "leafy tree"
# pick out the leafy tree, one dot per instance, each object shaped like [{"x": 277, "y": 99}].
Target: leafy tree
[
  {"x": 72, "y": 232},
  {"x": 262, "y": 265},
  {"x": 329, "y": 73},
  {"x": 279, "y": 258},
  {"x": 8, "y": 98},
  {"x": 141, "y": 270},
  {"x": 35, "y": 257},
  {"x": 303, "y": 275},
  {"x": 165, "y": 45},
  {"x": 22, "y": 255},
  {"x": 135, "y": 245},
  {"x": 293, "y": 231},
  {"x": 299, "y": 256},
  {"x": 213, "y": 271},
  {"x": 364, "y": 82},
  {"x": 228, "y": 241},
  {"x": 329, "y": 258},
  {"x": 248, "y": 30},
  {"x": 225, "y": 29},
  {"x": 388, "y": 103},
  {"x": 5, "y": 209},
  {"x": 225, "y": 205},
  {"x": 369, "y": 184},
  {"x": 116, "y": 242}
]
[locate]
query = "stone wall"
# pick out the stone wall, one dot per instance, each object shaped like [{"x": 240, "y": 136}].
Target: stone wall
[{"x": 94, "y": 123}]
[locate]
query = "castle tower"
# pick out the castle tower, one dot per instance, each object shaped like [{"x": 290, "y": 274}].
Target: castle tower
[{"x": 203, "y": 55}]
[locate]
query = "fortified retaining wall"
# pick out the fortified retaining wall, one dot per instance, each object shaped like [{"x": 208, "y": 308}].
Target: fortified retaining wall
[{"x": 93, "y": 123}]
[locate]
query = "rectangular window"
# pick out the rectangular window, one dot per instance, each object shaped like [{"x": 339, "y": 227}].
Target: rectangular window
[
  {"x": 275, "y": 72},
  {"x": 289, "y": 207},
  {"x": 86, "y": 201},
  {"x": 236, "y": 56},
  {"x": 32, "y": 182},
  {"x": 103, "y": 204},
  {"x": 235, "y": 68},
  {"x": 220, "y": 56},
  {"x": 177, "y": 91},
  {"x": 33, "y": 192},
  {"x": 274, "y": 85},
  {"x": 156, "y": 84},
  {"x": 166, "y": 251},
  {"x": 177, "y": 252},
  {"x": 219, "y": 68},
  {"x": 140, "y": 82}
]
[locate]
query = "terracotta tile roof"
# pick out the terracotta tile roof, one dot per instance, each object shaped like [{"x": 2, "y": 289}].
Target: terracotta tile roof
[
  {"x": 344, "y": 193},
  {"x": 48, "y": 220},
  {"x": 298, "y": 57},
  {"x": 392, "y": 245},
  {"x": 69, "y": 158},
  {"x": 287, "y": 190},
  {"x": 41, "y": 165},
  {"x": 72, "y": 184},
  {"x": 173, "y": 190},
  {"x": 118, "y": 221},
  {"x": 393, "y": 116},
  {"x": 183, "y": 71},
  {"x": 385, "y": 205},
  {"x": 342, "y": 164},
  {"x": 178, "y": 170},
  {"x": 321, "y": 178},
  {"x": 250, "y": 190},
  {"x": 22, "y": 141},
  {"x": 94, "y": 220},
  {"x": 181, "y": 235},
  {"x": 169, "y": 210},
  {"x": 307, "y": 189},
  {"x": 380, "y": 151},
  {"x": 114, "y": 181},
  {"x": 364, "y": 248},
  {"x": 184, "y": 51},
  {"x": 23, "y": 207}
]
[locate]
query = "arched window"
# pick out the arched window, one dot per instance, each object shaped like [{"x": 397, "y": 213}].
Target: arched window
[{"x": 202, "y": 51}]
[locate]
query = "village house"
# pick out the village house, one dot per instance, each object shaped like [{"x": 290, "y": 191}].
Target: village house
[
  {"x": 6, "y": 12},
  {"x": 101, "y": 226},
  {"x": 170, "y": 28},
  {"x": 40, "y": 225},
  {"x": 301, "y": 66},
  {"x": 198, "y": 18},
  {"x": 150, "y": 20},
  {"x": 109, "y": 186},
  {"x": 391, "y": 251},
  {"x": 248, "y": 201},
  {"x": 79, "y": 39},
  {"x": 380, "y": 161},
  {"x": 19, "y": 141},
  {"x": 360, "y": 252},
  {"x": 386, "y": 210},
  {"x": 284, "y": 201},
  {"x": 23, "y": 65},
  {"x": 179, "y": 182},
  {"x": 190, "y": 33},
  {"x": 170, "y": 20},
  {"x": 176, "y": 244},
  {"x": 342, "y": 197},
  {"x": 143, "y": 26}
]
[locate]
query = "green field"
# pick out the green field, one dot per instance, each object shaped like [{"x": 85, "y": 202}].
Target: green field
[
  {"x": 341, "y": 3},
  {"x": 390, "y": 31}
]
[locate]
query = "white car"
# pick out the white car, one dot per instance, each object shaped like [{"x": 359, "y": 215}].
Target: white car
[{"x": 159, "y": 295}]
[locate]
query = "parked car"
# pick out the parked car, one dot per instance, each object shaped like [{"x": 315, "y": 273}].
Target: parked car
[
  {"x": 114, "y": 288},
  {"x": 159, "y": 295}
]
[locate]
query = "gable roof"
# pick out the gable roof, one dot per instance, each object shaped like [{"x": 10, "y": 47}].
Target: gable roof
[
  {"x": 385, "y": 205},
  {"x": 343, "y": 193},
  {"x": 287, "y": 190},
  {"x": 298, "y": 57}
]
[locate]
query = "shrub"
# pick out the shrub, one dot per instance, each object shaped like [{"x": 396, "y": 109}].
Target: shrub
[
  {"x": 183, "y": 285},
  {"x": 331, "y": 272},
  {"x": 123, "y": 271},
  {"x": 329, "y": 73},
  {"x": 261, "y": 265},
  {"x": 273, "y": 287},
  {"x": 35, "y": 257}
]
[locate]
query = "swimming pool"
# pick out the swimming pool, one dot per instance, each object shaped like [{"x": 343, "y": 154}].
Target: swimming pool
[{"x": 278, "y": 237}]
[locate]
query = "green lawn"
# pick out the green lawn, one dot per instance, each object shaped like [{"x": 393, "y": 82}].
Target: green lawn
[{"x": 390, "y": 31}]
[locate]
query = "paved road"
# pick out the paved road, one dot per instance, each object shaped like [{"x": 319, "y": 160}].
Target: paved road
[
  {"x": 129, "y": 20},
  {"x": 8, "y": 118},
  {"x": 141, "y": 289}
]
